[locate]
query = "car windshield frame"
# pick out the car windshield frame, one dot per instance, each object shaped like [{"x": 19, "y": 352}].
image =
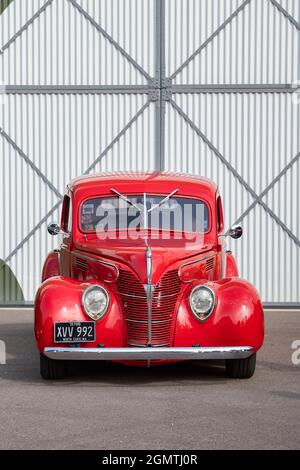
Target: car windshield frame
[{"x": 139, "y": 194}]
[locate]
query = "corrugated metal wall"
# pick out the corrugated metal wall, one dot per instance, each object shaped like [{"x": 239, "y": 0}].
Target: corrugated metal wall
[
  {"x": 232, "y": 118},
  {"x": 198, "y": 86}
]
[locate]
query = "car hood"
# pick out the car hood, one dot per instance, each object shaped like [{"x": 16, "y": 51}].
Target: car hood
[{"x": 133, "y": 252}]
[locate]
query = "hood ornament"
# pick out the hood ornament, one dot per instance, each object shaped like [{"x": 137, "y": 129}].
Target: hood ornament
[
  {"x": 149, "y": 264},
  {"x": 149, "y": 288}
]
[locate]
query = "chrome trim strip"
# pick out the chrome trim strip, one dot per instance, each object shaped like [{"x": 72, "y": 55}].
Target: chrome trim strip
[
  {"x": 169, "y": 320},
  {"x": 134, "y": 296},
  {"x": 141, "y": 353},
  {"x": 149, "y": 291},
  {"x": 166, "y": 295},
  {"x": 145, "y": 296}
]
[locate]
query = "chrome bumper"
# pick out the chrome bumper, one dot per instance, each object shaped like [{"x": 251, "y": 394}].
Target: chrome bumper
[{"x": 141, "y": 354}]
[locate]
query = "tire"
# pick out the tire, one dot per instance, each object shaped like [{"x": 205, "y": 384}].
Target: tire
[
  {"x": 241, "y": 368},
  {"x": 51, "y": 369}
]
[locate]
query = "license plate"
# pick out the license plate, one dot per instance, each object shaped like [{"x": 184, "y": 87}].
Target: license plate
[{"x": 74, "y": 332}]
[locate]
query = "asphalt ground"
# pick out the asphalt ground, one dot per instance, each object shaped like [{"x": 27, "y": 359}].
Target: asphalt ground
[{"x": 180, "y": 406}]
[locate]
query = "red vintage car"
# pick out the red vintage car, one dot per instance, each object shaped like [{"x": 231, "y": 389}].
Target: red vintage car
[{"x": 142, "y": 277}]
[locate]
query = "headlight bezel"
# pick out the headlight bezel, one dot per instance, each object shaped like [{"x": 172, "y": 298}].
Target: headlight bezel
[
  {"x": 86, "y": 292},
  {"x": 210, "y": 311}
]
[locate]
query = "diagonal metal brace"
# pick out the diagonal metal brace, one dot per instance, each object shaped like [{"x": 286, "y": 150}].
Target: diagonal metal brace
[
  {"x": 268, "y": 188},
  {"x": 208, "y": 40},
  {"x": 30, "y": 162},
  {"x": 285, "y": 13},
  {"x": 110, "y": 39},
  {"x": 25, "y": 26}
]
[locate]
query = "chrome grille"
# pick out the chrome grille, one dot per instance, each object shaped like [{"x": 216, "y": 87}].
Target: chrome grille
[{"x": 135, "y": 305}]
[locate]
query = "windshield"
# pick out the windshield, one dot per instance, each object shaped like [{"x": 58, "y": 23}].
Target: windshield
[{"x": 144, "y": 211}]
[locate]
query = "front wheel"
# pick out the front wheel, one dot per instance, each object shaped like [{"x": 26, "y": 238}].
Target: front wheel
[
  {"x": 241, "y": 368},
  {"x": 51, "y": 369}
]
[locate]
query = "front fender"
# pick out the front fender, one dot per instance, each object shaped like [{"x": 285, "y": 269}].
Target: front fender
[
  {"x": 231, "y": 266},
  {"x": 51, "y": 265},
  {"x": 237, "y": 319},
  {"x": 59, "y": 300}
]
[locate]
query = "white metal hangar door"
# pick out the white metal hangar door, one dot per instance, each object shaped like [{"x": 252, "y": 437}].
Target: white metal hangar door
[{"x": 198, "y": 86}]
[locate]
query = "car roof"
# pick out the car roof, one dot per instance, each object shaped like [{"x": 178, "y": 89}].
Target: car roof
[{"x": 156, "y": 182}]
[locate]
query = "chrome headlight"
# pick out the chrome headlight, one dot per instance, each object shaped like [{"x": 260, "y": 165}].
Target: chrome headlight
[
  {"x": 95, "y": 301},
  {"x": 202, "y": 302}
]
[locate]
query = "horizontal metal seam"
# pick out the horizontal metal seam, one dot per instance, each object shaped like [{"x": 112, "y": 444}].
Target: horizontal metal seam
[
  {"x": 77, "y": 89},
  {"x": 234, "y": 88},
  {"x": 266, "y": 305},
  {"x": 149, "y": 89}
]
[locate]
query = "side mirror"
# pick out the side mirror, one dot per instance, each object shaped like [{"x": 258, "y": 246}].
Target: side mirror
[
  {"x": 53, "y": 228},
  {"x": 236, "y": 232}
]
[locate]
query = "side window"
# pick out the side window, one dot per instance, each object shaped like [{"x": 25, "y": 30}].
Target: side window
[
  {"x": 220, "y": 215},
  {"x": 69, "y": 227},
  {"x": 66, "y": 215}
]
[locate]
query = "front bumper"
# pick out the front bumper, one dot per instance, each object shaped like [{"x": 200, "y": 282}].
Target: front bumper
[{"x": 141, "y": 354}]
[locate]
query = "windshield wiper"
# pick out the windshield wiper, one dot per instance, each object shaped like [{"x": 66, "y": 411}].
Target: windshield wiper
[
  {"x": 121, "y": 196},
  {"x": 144, "y": 210},
  {"x": 165, "y": 199}
]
